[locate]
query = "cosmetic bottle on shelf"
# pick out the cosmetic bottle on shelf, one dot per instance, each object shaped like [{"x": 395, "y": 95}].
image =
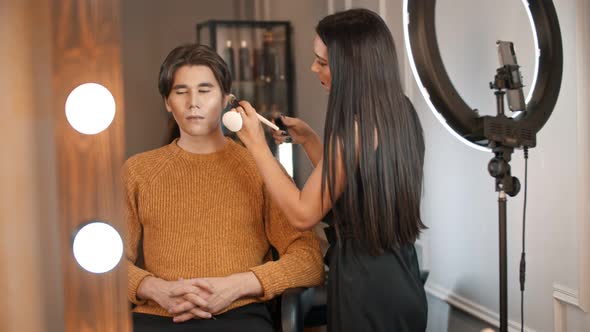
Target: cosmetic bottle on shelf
[
  {"x": 228, "y": 57},
  {"x": 258, "y": 68},
  {"x": 269, "y": 57},
  {"x": 244, "y": 66}
]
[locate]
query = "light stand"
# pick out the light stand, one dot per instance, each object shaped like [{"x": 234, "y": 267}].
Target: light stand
[
  {"x": 500, "y": 134},
  {"x": 499, "y": 168},
  {"x": 502, "y": 138}
]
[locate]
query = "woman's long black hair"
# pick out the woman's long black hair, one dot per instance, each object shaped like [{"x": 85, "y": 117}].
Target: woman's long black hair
[{"x": 381, "y": 200}]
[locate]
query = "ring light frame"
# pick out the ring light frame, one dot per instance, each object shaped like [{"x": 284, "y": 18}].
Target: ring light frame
[{"x": 442, "y": 97}]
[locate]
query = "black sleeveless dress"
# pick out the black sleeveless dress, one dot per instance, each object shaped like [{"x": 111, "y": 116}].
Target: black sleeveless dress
[{"x": 373, "y": 293}]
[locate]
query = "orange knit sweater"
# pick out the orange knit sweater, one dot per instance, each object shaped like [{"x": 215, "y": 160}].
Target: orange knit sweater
[{"x": 209, "y": 215}]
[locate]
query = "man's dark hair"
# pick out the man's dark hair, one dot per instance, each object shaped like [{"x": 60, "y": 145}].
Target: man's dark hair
[{"x": 193, "y": 55}]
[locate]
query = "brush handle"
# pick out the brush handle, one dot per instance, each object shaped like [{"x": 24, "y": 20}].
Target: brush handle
[
  {"x": 266, "y": 122},
  {"x": 235, "y": 103}
]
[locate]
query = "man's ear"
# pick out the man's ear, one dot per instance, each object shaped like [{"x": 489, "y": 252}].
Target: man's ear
[
  {"x": 168, "y": 108},
  {"x": 226, "y": 99}
]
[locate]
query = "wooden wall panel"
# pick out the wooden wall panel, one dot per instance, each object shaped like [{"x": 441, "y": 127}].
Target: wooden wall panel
[
  {"x": 30, "y": 269},
  {"x": 86, "y": 48}
]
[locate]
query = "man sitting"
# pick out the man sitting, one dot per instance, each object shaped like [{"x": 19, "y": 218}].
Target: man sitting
[{"x": 198, "y": 212}]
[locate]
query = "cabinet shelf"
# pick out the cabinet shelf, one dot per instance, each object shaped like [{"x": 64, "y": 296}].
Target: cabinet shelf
[{"x": 258, "y": 54}]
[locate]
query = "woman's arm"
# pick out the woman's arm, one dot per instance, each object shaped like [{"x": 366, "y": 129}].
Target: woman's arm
[
  {"x": 299, "y": 132},
  {"x": 303, "y": 208},
  {"x": 314, "y": 150}
]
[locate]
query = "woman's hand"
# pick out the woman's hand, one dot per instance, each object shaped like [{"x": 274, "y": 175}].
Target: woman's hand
[
  {"x": 251, "y": 134},
  {"x": 298, "y": 132}
]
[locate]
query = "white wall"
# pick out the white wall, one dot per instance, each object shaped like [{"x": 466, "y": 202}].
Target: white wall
[{"x": 574, "y": 318}]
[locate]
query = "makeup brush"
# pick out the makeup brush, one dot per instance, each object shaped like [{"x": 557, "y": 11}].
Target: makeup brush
[{"x": 233, "y": 120}]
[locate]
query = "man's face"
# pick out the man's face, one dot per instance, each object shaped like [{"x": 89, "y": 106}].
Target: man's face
[{"x": 196, "y": 101}]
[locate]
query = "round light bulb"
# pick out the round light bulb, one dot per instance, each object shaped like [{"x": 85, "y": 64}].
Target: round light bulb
[
  {"x": 90, "y": 108},
  {"x": 98, "y": 247}
]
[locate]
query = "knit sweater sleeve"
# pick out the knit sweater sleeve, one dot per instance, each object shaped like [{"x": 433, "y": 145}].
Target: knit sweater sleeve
[
  {"x": 300, "y": 261},
  {"x": 130, "y": 181}
]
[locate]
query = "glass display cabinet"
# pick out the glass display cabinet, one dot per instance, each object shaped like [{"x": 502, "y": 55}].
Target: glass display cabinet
[{"x": 258, "y": 54}]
